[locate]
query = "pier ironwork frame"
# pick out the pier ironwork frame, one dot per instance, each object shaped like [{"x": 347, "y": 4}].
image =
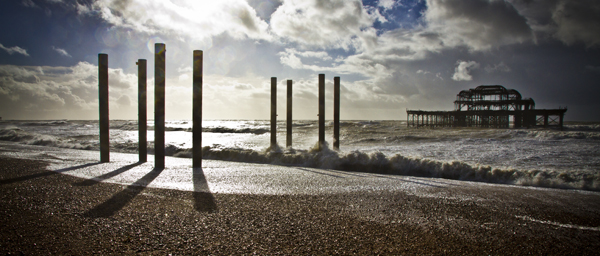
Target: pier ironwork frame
[{"x": 489, "y": 106}]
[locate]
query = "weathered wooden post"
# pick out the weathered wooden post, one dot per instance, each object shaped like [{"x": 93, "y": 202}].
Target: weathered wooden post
[
  {"x": 336, "y": 112},
  {"x": 321, "y": 111},
  {"x": 273, "y": 112},
  {"x": 103, "y": 105},
  {"x": 288, "y": 141},
  {"x": 142, "y": 110},
  {"x": 197, "y": 110},
  {"x": 159, "y": 105},
  {"x": 561, "y": 120}
]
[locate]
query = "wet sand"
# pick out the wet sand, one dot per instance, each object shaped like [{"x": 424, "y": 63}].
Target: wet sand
[{"x": 47, "y": 211}]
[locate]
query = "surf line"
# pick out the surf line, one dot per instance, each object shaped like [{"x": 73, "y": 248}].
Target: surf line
[{"x": 558, "y": 224}]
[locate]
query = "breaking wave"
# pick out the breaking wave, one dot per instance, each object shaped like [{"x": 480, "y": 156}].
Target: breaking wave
[
  {"x": 134, "y": 127},
  {"x": 47, "y": 123},
  {"x": 18, "y": 135},
  {"x": 355, "y": 161},
  {"x": 378, "y": 162}
]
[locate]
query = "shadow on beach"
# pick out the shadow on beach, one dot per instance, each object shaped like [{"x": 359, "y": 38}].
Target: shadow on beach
[
  {"x": 119, "y": 200},
  {"x": 44, "y": 174},
  {"x": 106, "y": 176},
  {"x": 204, "y": 201}
]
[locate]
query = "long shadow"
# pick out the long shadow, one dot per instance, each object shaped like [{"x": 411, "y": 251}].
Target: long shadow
[
  {"x": 434, "y": 181},
  {"x": 44, "y": 174},
  {"x": 403, "y": 179},
  {"x": 204, "y": 201},
  {"x": 109, "y": 175},
  {"x": 119, "y": 200},
  {"x": 307, "y": 170},
  {"x": 347, "y": 173}
]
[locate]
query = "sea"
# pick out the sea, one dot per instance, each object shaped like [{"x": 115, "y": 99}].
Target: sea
[{"x": 539, "y": 157}]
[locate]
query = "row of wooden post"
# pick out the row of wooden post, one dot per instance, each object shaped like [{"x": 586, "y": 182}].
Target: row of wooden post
[
  {"x": 336, "y": 112},
  {"x": 159, "y": 109}
]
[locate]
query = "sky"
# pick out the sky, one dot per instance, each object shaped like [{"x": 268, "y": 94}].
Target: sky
[{"x": 390, "y": 55}]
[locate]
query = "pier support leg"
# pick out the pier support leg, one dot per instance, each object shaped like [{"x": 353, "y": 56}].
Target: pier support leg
[
  {"x": 561, "y": 121},
  {"x": 197, "y": 110},
  {"x": 288, "y": 138},
  {"x": 159, "y": 105},
  {"x": 103, "y": 104},
  {"x": 336, "y": 112},
  {"x": 273, "y": 112},
  {"x": 321, "y": 111},
  {"x": 142, "y": 111}
]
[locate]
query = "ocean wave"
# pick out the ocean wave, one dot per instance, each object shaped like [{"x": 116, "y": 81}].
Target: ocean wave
[
  {"x": 583, "y": 127},
  {"x": 256, "y": 131},
  {"x": 16, "y": 134},
  {"x": 563, "y": 135},
  {"x": 124, "y": 125},
  {"x": 378, "y": 162},
  {"x": 47, "y": 123},
  {"x": 355, "y": 161}
]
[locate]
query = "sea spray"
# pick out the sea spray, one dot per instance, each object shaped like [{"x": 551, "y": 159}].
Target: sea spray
[
  {"x": 377, "y": 162},
  {"x": 532, "y": 157},
  {"x": 15, "y": 134}
]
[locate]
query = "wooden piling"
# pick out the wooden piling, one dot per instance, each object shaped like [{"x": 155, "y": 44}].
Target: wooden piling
[
  {"x": 159, "y": 105},
  {"x": 197, "y": 110},
  {"x": 103, "y": 107},
  {"x": 288, "y": 141},
  {"x": 273, "y": 112},
  {"x": 321, "y": 111},
  {"x": 336, "y": 112},
  {"x": 142, "y": 111}
]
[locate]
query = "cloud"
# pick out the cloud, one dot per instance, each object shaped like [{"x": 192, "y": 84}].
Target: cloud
[
  {"x": 322, "y": 55},
  {"x": 28, "y": 3},
  {"x": 477, "y": 24},
  {"x": 388, "y": 4},
  {"x": 59, "y": 92},
  {"x": 124, "y": 101},
  {"x": 323, "y": 23},
  {"x": 569, "y": 21},
  {"x": 501, "y": 67},
  {"x": 14, "y": 49},
  {"x": 461, "y": 72},
  {"x": 197, "y": 20},
  {"x": 62, "y": 52},
  {"x": 243, "y": 87},
  {"x": 578, "y": 21}
]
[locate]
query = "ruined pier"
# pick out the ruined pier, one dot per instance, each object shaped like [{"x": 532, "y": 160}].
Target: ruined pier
[{"x": 489, "y": 106}]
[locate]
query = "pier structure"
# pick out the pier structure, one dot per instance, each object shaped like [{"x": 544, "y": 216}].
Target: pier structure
[
  {"x": 489, "y": 106},
  {"x": 159, "y": 105},
  {"x": 103, "y": 107},
  {"x": 321, "y": 111},
  {"x": 288, "y": 137},
  {"x": 159, "y": 108},
  {"x": 273, "y": 112},
  {"x": 142, "y": 110},
  {"x": 336, "y": 112},
  {"x": 197, "y": 109}
]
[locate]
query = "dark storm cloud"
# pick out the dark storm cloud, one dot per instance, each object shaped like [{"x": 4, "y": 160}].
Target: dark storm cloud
[
  {"x": 569, "y": 21},
  {"x": 578, "y": 21},
  {"x": 477, "y": 24}
]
